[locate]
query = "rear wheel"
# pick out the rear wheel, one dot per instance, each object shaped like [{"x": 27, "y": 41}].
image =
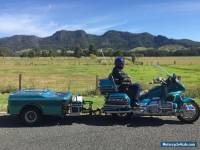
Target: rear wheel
[
  {"x": 189, "y": 112},
  {"x": 30, "y": 116}
]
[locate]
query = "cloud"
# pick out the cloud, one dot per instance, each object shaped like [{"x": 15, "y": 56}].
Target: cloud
[
  {"x": 50, "y": 6},
  {"x": 30, "y": 25},
  {"x": 43, "y": 20},
  {"x": 99, "y": 29},
  {"x": 23, "y": 24},
  {"x": 37, "y": 25}
]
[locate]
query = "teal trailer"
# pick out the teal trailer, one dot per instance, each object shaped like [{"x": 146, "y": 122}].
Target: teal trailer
[{"x": 31, "y": 104}]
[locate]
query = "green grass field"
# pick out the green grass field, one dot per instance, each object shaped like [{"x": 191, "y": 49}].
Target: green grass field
[
  {"x": 79, "y": 74},
  {"x": 3, "y": 102}
]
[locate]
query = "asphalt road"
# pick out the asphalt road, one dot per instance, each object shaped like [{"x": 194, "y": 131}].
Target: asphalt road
[{"x": 96, "y": 132}]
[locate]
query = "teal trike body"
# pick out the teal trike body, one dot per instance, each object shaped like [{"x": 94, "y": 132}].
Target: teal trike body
[{"x": 164, "y": 99}]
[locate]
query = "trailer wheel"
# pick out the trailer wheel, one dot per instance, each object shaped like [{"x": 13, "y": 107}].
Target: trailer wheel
[{"x": 30, "y": 116}]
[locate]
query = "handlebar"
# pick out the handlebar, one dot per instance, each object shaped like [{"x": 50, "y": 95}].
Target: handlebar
[
  {"x": 161, "y": 80},
  {"x": 158, "y": 81}
]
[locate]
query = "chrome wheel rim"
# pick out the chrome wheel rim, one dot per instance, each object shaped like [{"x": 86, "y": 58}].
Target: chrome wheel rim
[
  {"x": 188, "y": 111},
  {"x": 30, "y": 116}
]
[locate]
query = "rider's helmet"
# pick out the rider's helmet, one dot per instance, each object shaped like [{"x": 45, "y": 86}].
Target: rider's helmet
[{"x": 119, "y": 62}]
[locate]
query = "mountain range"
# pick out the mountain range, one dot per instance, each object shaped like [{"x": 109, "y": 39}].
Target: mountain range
[{"x": 111, "y": 39}]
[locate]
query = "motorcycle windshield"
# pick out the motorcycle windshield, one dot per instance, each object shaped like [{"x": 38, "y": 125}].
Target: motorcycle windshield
[{"x": 175, "y": 86}]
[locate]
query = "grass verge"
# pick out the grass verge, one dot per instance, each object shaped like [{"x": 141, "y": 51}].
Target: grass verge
[{"x": 3, "y": 102}]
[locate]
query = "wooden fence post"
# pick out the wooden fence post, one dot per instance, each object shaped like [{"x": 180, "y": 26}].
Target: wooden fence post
[
  {"x": 20, "y": 81},
  {"x": 69, "y": 84},
  {"x": 97, "y": 84}
]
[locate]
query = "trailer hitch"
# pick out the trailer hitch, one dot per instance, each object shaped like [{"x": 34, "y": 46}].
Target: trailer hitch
[{"x": 90, "y": 109}]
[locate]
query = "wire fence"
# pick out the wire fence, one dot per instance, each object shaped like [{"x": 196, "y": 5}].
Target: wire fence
[{"x": 82, "y": 86}]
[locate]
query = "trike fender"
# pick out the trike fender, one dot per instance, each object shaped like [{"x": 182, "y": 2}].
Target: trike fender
[{"x": 187, "y": 99}]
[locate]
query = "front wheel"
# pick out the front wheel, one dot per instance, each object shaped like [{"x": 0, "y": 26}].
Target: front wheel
[{"x": 189, "y": 112}]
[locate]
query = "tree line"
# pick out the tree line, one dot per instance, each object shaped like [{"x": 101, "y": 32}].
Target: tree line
[{"x": 92, "y": 50}]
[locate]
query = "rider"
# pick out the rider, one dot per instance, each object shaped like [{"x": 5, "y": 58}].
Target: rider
[{"x": 124, "y": 81}]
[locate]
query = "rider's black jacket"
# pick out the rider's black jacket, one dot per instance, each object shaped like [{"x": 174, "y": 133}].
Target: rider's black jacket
[
  {"x": 125, "y": 85},
  {"x": 120, "y": 77}
]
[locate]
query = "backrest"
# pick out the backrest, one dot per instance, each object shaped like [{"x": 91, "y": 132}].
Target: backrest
[{"x": 107, "y": 85}]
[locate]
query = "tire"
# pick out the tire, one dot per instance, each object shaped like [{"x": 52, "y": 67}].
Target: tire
[
  {"x": 194, "y": 118},
  {"x": 30, "y": 116}
]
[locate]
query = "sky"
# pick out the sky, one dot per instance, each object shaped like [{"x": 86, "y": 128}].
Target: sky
[{"x": 179, "y": 19}]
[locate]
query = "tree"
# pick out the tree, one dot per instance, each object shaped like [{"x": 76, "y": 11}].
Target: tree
[
  {"x": 4, "y": 51},
  {"x": 77, "y": 52},
  {"x": 45, "y": 53},
  {"x": 53, "y": 53},
  {"x": 31, "y": 53},
  {"x": 118, "y": 53},
  {"x": 92, "y": 49},
  {"x": 133, "y": 58},
  {"x": 24, "y": 54},
  {"x": 63, "y": 52},
  {"x": 36, "y": 52}
]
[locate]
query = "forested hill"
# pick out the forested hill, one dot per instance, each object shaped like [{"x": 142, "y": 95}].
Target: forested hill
[{"x": 116, "y": 40}]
